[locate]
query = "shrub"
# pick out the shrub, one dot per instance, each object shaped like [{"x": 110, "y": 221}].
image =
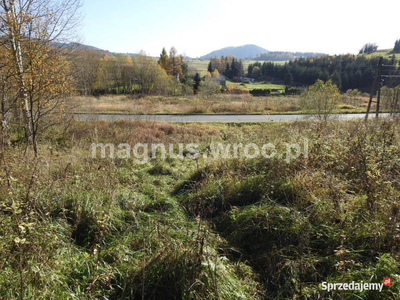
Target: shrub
[
  {"x": 320, "y": 99},
  {"x": 209, "y": 88}
]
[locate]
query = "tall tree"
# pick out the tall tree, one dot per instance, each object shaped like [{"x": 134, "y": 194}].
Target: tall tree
[
  {"x": 210, "y": 67},
  {"x": 256, "y": 72},
  {"x": 176, "y": 63},
  {"x": 28, "y": 28},
  {"x": 196, "y": 82},
  {"x": 237, "y": 67},
  {"x": 164, "y": 61},
  {"x": 185, "y": 70},
  {"x": 85, "y": 68},
  {"x": 149, "y": 75},
  {"x": 369, "y": 48},
  {"x": 396, "y": 48},
  {"x": 288, "y": 78},
  {"x": 337, "y": 79}
]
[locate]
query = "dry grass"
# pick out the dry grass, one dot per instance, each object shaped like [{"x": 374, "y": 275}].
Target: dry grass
[
  {"x": 140, "y": 131},
  {"x": 282, "y": 104},
  {"x": 219, "y": 104}
]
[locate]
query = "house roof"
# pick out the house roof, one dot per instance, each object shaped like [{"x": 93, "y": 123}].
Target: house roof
[{"x": 220, "y": 77}]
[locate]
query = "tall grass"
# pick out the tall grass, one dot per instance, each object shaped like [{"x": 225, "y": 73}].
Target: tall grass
[
  {"x": 221, "y": 103},
  {"x": 74, "y": 227},
  {"x": 330, "y": 217},
  {"x": 217, "y": 104}
]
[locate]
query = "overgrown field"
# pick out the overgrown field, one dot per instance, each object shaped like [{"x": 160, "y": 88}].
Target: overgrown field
[
  {"x": 77, "y": 227},
  {"x": 217, "y": 104}
]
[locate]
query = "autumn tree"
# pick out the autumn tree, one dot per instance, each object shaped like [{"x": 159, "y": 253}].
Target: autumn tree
[
  {"x": 85, "y": 68},
  {"x": 40, "y": 71},
  {"x": 176, "y": 63},
  {"x": 122, "y": 73},
  {"x": 320, "y": 99},
  {"x": 164, "y": 61},
  {"x": 215, "y": 74},
  {"x": 7, "y": 91},
  {"x": 217, "y": 63},
  {"x": 149, "y": 75}
]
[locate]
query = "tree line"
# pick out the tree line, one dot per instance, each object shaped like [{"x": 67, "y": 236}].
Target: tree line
[
  {"x": 229, "y": 66},
  {"x": 97, "y": 73},
  {"x": 346, "y": 71},
  {"x": 284, "y": 55}
]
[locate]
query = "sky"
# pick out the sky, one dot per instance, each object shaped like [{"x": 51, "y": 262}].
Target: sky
[{"x": 197, "y": 27}]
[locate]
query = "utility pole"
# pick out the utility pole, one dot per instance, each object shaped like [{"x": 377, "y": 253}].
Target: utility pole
[
  {"x": 378, "y": 100},
  {"x": 376, "y": 85}
]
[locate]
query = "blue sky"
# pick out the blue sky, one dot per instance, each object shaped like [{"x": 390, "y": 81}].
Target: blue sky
[{"x": 198, "y": 27}]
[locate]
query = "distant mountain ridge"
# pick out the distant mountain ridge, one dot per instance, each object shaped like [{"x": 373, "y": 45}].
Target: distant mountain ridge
[
  {"x": 250, "y": 52},
  {"x": 77, "y": 46},
  {"x": 240, "y": 52},
  {"x": 254, "y": 52}
]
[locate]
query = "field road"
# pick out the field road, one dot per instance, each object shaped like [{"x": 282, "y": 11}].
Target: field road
[{"x": 215, "y": 118}]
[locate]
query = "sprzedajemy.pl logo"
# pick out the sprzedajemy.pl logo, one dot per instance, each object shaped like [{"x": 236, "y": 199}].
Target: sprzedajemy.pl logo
[{"x": 356, "y": 286}]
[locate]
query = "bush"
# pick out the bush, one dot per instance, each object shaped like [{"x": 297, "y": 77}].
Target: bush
[
  {"x": 320, "y": 99},
  {"x": 209, "y": 88},
  {"x": 260, "y": 92},
  {"x": 232, "y": 90}
]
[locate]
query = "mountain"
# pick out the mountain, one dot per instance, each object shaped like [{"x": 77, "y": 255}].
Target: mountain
[
  {"x": 126, "y": 53},
  {"x": 79, "y": 47},
  {"x": 76, "y": 46},
  {"x": 245, "y": 51}
]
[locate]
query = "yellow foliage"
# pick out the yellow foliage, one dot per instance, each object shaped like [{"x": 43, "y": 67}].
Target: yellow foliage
[{"x": 215, "y": 74}]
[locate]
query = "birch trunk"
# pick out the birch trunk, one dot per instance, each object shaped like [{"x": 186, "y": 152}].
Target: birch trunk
[{"x": 15, "y": 35}]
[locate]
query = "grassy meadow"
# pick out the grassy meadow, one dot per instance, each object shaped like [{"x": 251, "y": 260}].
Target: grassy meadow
[
  {"x": 217, "y": 104},
  {"x": 259, "y": 85},
  {"x": 385, "y": 53},
  {"x": 77, "y": 227},
  {"x": 201, "y": 66}
]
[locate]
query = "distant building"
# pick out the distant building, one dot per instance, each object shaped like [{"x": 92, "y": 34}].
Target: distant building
[
  {"x": 221, "y": 80},
  {"x": 243, "y": 79}
]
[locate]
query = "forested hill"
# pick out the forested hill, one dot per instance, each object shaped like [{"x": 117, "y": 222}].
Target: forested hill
[
  {"x": 346, "y": 71},
  {"x": 254, "y": 52}
]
